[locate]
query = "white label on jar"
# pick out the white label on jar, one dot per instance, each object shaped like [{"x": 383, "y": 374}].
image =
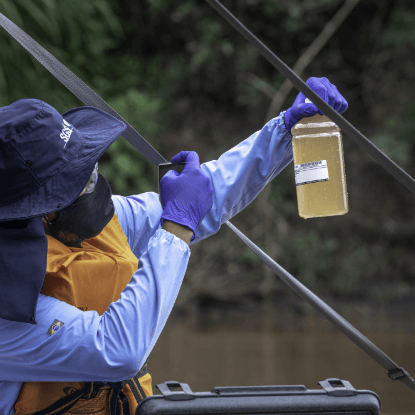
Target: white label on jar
[{"x": 315, "y": 171}]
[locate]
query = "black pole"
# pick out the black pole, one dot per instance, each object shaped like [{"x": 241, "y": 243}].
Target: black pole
[
  {"x": 397, "y": 172},
  {"x": 394, "y": 371}
]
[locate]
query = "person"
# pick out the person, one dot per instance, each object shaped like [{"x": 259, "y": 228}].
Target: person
[{"x": 88, "y": 279}]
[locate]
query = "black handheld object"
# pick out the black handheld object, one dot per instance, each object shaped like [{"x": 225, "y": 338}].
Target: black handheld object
[{"x": 165, "y": 167}]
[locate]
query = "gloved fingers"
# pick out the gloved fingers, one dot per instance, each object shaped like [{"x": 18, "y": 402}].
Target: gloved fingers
[
  {"x": 307, "y": 109},
  {"x": 171, "y": 173},
  {"x": 190, "y": 157},
  {"x": 332, "y": 94},
  {"x": 319, "y": 87},
  {"x": 343, "y": 105},
  {"x": 303, "y": 107},
  {"x": 334, "y": 98},
  {"x": 179, "y": 158},
  {"x": 168, "y": 178},
  {"x": 300, "y": 99}
]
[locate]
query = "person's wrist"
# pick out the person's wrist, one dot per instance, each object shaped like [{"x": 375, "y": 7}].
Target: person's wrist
[
  {"x": 289, "y": 120},
  {"x": 182, "y": 232}
]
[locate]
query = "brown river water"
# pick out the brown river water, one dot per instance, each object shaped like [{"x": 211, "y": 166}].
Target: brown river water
[{"x": 302, "y": 355}]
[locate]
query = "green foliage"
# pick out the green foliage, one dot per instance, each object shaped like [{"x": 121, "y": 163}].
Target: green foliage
[
  {"x": 394, "y": 146},
  {"x": 59, "y": 30},
  {"x": 249, "y": 258},
  {"x": 401, "y": 32},
  {"x": 308, "y": 252},
  {"x": 385, "y": 293},
  {"x": 142, "y": 111},
  {"x": 397, "y": 129},
  {"x": 82, "y": 45},
  {"x": 353, "y": 268},
  {"x": 123, "y": 165}
]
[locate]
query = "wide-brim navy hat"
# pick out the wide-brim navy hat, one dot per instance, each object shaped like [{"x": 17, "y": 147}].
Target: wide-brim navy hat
[{"x": 46, "y": 158}]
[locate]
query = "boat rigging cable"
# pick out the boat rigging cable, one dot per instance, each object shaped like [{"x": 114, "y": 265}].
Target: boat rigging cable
[{"x": 85, "y": 94}]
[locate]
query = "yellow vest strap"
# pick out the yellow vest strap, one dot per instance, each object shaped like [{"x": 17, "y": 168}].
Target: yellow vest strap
[
  {"x": 118, "y": 400},
  {"x": 62, "y": 406}
]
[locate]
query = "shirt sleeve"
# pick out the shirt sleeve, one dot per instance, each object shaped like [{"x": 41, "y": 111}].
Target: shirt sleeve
[
  {"x": 90, "y": 347},
  {"x": 239, "y": 175},
  {"x": 237, "y": 178}
]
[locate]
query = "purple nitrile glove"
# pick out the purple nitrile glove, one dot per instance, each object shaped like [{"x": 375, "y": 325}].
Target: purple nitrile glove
[
  {"x": 303, "y": 107},
  {"x": 186, "y": 197}
]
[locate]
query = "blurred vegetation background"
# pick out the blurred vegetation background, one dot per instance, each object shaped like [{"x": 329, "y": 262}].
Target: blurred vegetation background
[{"x": 186, "y": 80}]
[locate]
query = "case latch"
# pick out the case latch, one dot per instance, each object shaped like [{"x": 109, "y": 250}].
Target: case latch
[
  {"x": 331, "y": 386},
  {"x": 186, "y": 395},
  {"x": 397, "y": 373}
]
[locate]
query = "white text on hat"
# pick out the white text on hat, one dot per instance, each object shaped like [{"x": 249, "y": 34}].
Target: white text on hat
[{"x": 66, "y": 132}]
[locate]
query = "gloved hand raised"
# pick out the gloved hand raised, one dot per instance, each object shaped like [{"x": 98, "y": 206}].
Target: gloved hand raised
[
  {"x": 302, "y": 106},
  {"x": 186, "y": 197}
]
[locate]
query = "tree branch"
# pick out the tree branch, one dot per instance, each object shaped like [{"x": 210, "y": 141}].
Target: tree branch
[
  {"x": 307, "y": 57},
  {"x": 260, "y": 84}
]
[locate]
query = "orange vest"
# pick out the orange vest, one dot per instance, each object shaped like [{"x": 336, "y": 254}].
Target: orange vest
[{"x": 89, "y": 278}]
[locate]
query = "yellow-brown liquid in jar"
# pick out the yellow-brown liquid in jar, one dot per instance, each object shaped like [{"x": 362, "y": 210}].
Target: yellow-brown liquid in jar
[{"x": 318, "y": 139}]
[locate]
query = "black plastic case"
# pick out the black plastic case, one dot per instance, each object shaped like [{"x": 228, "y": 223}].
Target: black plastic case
[{"x": 338, "y": 397}]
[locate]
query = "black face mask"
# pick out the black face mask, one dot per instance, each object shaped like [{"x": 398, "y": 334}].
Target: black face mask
[{"x": 88, "y": 215}]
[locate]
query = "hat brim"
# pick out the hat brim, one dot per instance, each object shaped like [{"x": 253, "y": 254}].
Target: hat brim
[{"x": 96, "y": 130}]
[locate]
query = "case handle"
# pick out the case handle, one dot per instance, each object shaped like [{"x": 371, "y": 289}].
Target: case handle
[
  {"x": 165, "y": 387},
  {"x": 255, "y": 390},
  {"x": 331, "y": 387}
]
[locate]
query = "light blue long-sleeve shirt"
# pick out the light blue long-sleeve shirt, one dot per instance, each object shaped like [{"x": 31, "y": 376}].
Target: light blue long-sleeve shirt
[{"x": 113, "y": 347}]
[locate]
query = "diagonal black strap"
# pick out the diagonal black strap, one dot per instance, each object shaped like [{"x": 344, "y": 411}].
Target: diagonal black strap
[
  {"x": 118, "y": 401},
  {"x": 136, "y": 388},
  {"x": 135, "y": 384},
  {"x": 143, "y": 370},
  {"x": 394, "y": 371},
  {"x": 78, "y": 88},
  {"x": 398, "y": 173},
  {"x": 63, "y": 405}
]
